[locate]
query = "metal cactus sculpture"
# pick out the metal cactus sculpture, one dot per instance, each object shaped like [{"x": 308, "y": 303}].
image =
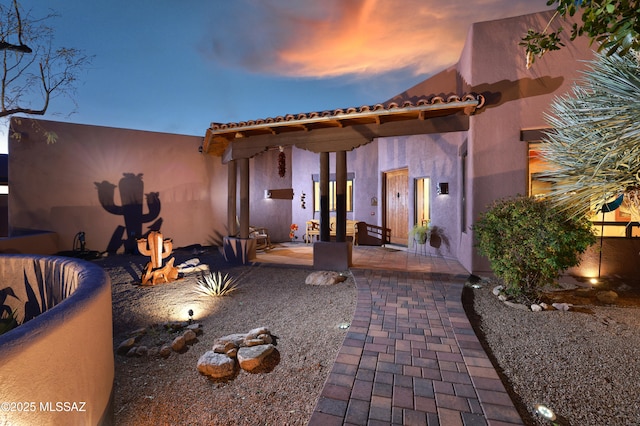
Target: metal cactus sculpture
[
  {"x": 157, "y": 248},
  {"x": 131, "y": 190}
]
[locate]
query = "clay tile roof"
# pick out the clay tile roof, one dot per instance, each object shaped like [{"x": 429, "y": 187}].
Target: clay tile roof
[{"x": 435, "y": 106}]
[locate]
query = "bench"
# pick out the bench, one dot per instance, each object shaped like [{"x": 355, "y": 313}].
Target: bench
[{"x": 312, "y": 231}]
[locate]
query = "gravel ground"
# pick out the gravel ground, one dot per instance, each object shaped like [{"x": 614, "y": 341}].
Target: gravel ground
[
  {"x": 583, "y": 365},
  {"x": 158, "y": 391}
]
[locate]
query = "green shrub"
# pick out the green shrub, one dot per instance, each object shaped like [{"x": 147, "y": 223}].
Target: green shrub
[{"x": 529, "y": 243}]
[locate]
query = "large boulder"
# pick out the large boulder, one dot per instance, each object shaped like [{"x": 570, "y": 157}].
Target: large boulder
[
  {"x": 252, "y": 357},
  {"x": 218, "y": 366}
]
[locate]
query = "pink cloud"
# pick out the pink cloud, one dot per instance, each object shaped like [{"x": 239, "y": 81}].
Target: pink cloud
[{"x": 358, "y": 37}]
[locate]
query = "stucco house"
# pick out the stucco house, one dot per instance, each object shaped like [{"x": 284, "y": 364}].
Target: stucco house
[{"x": 440, "y": 151}]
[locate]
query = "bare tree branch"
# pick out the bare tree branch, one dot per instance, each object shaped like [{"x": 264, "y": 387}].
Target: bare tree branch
[
  {"x": 33, "y": 70},
  {"x": 21, "y": 47}
]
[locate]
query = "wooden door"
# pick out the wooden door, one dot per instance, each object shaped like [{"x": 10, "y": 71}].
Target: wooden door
[{"x": 396, "y": 192}]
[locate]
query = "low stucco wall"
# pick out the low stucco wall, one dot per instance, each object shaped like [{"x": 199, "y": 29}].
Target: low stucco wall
[
  {"x": 33, "y": 243},
  {"x": 58, "y": 367}
]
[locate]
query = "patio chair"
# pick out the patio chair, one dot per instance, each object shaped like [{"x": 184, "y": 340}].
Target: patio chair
[{"x": 261, "y": 235}]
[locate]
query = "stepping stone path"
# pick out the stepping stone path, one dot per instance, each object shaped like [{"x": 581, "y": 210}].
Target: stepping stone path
[
  {"x": 250, "y": 351},
  {"x": 160, "y": 339}
]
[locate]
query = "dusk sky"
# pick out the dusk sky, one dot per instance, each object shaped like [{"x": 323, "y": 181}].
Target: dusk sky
[{"x": 175, "y": 66}]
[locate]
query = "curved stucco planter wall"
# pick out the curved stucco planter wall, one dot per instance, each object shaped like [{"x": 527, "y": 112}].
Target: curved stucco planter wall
[{"x": 56, "y": 368}]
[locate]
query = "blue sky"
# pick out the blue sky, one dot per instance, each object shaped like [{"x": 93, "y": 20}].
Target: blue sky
[{"x": 177, "y": 65}]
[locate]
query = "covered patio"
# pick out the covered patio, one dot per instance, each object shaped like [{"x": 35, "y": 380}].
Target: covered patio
[{"x": 323, "y": 133}]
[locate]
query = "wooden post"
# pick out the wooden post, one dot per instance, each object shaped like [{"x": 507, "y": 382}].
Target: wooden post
[
  {"x": 341, "y": 196},
  {"x": 325, "y": 232},
  {"x": 232, "y": 189},
  {"x": 243, "y": 164}
]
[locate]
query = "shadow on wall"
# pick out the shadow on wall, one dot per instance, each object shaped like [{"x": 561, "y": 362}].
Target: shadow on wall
[
  {"x": 438, "y": 238},
  {"x": 131, "y": 189}
]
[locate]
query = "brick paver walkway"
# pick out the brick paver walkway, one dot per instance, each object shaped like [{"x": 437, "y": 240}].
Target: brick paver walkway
[{"x": 410, "y": 356}]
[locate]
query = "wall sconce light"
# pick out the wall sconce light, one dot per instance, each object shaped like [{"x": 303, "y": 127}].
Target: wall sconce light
[
  {"x": 267, "y": 193},
  {"x": 443, "y": 188}
]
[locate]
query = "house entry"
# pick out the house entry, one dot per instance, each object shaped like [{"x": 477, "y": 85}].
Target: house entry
[{"x": 396, "y": 205}]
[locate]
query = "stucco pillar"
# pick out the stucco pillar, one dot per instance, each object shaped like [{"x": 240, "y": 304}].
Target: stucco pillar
[
  {"x": 243, "y": 164},
  {"x": 232, "y": 189},
  {"x": 341, "y": 196},
  {"x": 325, "y": 233}
]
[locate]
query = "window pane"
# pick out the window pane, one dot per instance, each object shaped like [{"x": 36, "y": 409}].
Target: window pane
[{"x": 422, "y": 197}]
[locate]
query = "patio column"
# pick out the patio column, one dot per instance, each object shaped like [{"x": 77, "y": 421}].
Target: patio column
[
  {"x": 325, "y": 234},
  {"x": 341, "y": 196},
  {"x": 243, "y": 164},
  {"x": 232, "y": 189}
]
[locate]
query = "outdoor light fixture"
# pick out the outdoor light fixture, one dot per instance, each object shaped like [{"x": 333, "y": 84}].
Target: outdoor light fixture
[
  {"x": 190, "y": 315},
  {"x": 593, "y": 281},
  {"x": 443, "y": 188},
  {"x": 545, "y": 412},
  {"x": 343, "y": 325},
  {"x": 267, "y": 193}
]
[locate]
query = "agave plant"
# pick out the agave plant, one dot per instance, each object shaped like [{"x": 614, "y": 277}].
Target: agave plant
[
  {"x": 215, "y": 284},
  {"x": 594, "y": 147}
]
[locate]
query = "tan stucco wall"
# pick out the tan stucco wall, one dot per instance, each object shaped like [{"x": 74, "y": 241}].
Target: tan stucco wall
[
  {"x": 494, "y": 65},
  {"x": 53, "y": 185},
  {"x": 62, "y": 356}
]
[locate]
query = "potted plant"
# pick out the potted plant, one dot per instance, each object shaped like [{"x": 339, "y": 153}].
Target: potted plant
[{"x": 421, "y": 232}]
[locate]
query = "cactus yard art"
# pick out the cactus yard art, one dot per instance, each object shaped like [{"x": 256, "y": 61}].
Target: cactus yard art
[{"x": 157, "y": 248}]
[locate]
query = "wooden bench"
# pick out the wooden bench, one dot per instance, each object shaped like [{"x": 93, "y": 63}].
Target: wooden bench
[{"x": 313, "y": 230}]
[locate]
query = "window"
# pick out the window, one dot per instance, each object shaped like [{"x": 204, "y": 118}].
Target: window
[
  {"x": 422, "y": 188},
  {"x": 609, "y": 224},
  {"x": 332, "y": 192}
]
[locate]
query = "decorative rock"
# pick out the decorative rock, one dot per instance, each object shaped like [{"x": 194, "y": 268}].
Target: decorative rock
[
  {"x": 324, "y": 278},
  {"x": 220, "y": 348},
  {"x": 562, "y": 306},
  {"x": 216, "y": 365},
  {"x": 253, "y": 334},
  {"x": 133, "y": 352},
  {"x": 178, "y": 343},
  {"x": 192, "y": 265},
  {"x": 165, "y": 351},
  {"x": 142, "y": 351},
  {"x": 545, "y": 306},
  {"x": 189, "y": 336},
  {"x": 237, "y": 340},
  {"x": 232, "y": 353},
  {"x": 196, "y": 328},
  {"x": 502, "y": 297},
  {"x": 138, "y": 332},
  {"x": 251, "y": 358},
  {"x": 266, "y": 338},
  {"x": 607, "y": 297},
  {"x": 536, "y": 308},
  {"x": 253, "y": 342},
  {"x": 496, "y": 290},
  {"x": 153, "y": 352},
  {"x": 125, "y": 346}
]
